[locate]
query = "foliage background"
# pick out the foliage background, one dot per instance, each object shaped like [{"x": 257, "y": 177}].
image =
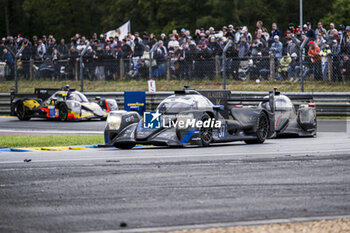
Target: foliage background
[{"x": 64, "y": 18}]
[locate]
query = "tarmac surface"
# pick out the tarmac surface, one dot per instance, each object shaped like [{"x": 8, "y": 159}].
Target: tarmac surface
[{"x": 160, "y": 189}]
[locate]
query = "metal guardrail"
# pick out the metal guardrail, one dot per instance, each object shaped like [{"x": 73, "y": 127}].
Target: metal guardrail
[{"x": 327, "y": 104}]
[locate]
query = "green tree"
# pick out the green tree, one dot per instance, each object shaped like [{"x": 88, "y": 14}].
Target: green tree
[{"x": 339, "y": 14}]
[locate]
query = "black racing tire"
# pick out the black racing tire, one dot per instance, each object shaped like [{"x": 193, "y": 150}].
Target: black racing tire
[
  {"x": 63, "y": 112},
  {"x": 262, "y": 129},
  {"x": 21, "y": 112},
  {"x": 125, "y": 146},
  {"x": 206, "y": 133}
]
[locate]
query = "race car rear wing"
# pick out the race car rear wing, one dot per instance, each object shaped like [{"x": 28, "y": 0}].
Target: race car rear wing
[{"x": 219, "y": 97}]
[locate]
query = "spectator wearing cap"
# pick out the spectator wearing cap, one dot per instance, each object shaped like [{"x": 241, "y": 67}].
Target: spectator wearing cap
[
  {"x": 164, "y": 39},
  {"x": 238, "y": 35},
  {"x": 125, "y": 54},
  {"x": 310, "y": 32},
  {"x": 203, "y": 40},
  {"x": 320, "y": 28},
  {"x": 283, "y": 65},
  {"x": 183, "y": 36},
  {"x": 230, "y": 32},
  {"x": 276, "y": 48},
  {"x": 293, "y": 68},
  {"x": 291, "y": 30},
  {"x": 298, "y": 33},
  {"x": 314, "y": 54},
  {"x": 293, "y": 45},
  {"x": 261, "y": 66},
  {"x": 336, "y": 60},
  {"x": 325, "y": 51},
  {"x": 243, "y": 48}
]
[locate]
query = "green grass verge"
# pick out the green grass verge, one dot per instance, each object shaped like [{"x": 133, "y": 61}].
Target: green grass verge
[
  {"x": 171, "y": 85},
  {"x": 47, "y": 141}
]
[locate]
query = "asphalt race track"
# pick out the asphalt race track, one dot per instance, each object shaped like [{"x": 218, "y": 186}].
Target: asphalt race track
[
  {"x": 36, "y": 126},
  {"x": 12, "y": 125},
  {"x": 152, "y": 189}
]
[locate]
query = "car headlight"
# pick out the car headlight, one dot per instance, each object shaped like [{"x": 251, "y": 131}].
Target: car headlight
[{"x": 114, "y": 121}]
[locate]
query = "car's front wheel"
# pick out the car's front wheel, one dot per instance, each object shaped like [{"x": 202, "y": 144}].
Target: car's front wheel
[
  {"x": 206, "y": 133},
  {"x": 21, "y": 112},
  {"x": 262, "y": 129},
  {"x": 63, "y": 112}
]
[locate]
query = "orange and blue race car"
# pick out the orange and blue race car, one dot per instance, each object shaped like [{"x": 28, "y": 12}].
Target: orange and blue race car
[{"x": 62, "y": 104}]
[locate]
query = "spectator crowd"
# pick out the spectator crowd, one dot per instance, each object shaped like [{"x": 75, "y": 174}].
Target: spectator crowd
[{"x": 188, "y": 56}]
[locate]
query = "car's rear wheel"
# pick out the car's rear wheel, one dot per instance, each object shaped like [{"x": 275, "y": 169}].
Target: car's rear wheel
[
  {"x": 63, "y": 112},
  {"x": 21, "y": 112},
  {"x": 125, "y": 146},
  {"x": 262, "y": 129},
  {"x": 206, "y": 133}
]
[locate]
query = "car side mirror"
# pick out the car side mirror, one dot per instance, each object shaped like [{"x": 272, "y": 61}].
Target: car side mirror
[
  {"x": 97, "y": 98},
  {"x": 218, "y": 108}
]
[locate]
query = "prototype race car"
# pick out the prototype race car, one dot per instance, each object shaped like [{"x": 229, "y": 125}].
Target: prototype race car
[
  {"x": 189, "y": 118},
  {"x": 289, "y": 122},
  {"x": 64, "y": 104}
]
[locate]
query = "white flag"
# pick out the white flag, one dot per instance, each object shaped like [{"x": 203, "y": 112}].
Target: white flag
[{"x": 121, "y": 32}]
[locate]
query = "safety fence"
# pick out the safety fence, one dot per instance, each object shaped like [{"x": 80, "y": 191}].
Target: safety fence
[
  {"x": 327, "y": 104},
  {"x": 192, "y": 66}
]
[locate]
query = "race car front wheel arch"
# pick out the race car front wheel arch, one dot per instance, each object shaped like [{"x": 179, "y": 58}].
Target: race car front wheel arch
[
  {"x": 62, "y": 112},
  {"x": 262, "y": 129},
  {"x": 21, "y": 112}
]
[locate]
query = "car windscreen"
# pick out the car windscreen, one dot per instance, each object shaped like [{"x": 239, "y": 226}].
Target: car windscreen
[
  {"x": 283, "y": 103},
  {"x": 173, "y": 107},
  {"x": 77, "y": 97}
]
